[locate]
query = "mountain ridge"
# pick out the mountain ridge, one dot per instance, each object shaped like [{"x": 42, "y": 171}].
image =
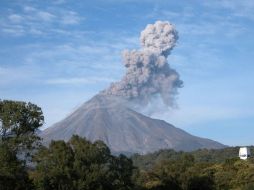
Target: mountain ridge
[{"x": 108, "y": 119}]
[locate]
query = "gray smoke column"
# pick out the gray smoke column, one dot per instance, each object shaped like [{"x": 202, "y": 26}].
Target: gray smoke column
[{"x": 148, "y": 73}]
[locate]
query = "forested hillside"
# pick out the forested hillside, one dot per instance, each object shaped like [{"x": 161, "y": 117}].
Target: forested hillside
[
  {"x": 201, "y": 169},
  {"x": 202, "y": 155}
]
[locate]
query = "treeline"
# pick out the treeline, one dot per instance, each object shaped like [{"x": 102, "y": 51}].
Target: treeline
[
  {"x": 147, "y": 161},
  {"x": 81, "y": 165},
  {"x": 183, "y": 172}
]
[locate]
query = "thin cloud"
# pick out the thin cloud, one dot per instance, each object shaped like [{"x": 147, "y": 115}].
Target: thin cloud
[
  {"x": 29, "y": 8},
  {"x": 15, "y": 18},
  {"x": 71, "y": 18},
  {"x": 243, "y": 8},
  {"x": 19, "y": 75},
  {"x": 58, "y": 2},
  {"x": 14, "y": 30},
  {"x": 190, "y": 21},
  {"x": 64, "y": 64},
  {"x": 45, "y": 16},
  {"x": 191, "y": 115},
  {"x": 77, "y": 81},
  {"x": 38, "y": 21}
]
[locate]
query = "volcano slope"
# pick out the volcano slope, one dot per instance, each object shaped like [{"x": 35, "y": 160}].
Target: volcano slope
[{"x": 124, "y": 130}]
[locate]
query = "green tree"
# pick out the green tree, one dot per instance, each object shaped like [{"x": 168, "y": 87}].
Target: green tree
[
  {"x": 13, "y": 175},
  {"x": 19, "y": 122},
  {"x": 81, "y": 165},
  {"x": 54, "y": 167}
]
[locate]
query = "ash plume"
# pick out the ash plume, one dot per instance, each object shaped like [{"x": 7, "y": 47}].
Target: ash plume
[{"x": 148, "y": 73}]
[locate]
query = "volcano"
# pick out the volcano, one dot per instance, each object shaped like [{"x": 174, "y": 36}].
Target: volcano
[
  {"x": 109, "y": 116},
  {"x": 124, "y": 130}
]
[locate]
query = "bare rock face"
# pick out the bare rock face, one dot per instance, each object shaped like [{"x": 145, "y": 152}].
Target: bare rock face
[{"x": 122, "y": 129}]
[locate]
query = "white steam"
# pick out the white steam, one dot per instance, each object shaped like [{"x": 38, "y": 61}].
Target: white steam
[{"x": 148, "y": 73}]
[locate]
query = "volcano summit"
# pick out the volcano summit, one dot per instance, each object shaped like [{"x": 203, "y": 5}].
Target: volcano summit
[{"x": 110, "y": 116}]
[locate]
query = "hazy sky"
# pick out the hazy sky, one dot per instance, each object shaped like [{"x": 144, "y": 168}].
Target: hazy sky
[{"x": 58, "y": 54}]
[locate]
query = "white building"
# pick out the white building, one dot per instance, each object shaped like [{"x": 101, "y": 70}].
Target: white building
[{"x": 244, "y": 153}]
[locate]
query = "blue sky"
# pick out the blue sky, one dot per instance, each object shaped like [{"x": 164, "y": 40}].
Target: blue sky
[{"x": 58, "y": 54}]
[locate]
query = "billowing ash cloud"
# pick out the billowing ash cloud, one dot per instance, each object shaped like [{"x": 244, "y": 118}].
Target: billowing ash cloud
[{"x": 148, "y": 73}]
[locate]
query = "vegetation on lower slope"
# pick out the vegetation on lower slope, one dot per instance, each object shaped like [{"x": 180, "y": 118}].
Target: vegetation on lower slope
[
  {"x": 147, "y": 161},
  {"x": 82, "y": 165},
  {"x": 185, "y": 172}
]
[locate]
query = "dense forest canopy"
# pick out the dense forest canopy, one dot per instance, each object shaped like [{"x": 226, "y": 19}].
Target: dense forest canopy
[{"x": 147, "y": 161}]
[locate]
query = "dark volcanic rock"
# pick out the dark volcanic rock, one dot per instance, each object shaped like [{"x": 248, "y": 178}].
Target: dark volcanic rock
[{"x": 123, "y": 130}]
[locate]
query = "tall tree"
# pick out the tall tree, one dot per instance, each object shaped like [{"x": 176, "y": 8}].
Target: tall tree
[{"x": 19, "y": 122}]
